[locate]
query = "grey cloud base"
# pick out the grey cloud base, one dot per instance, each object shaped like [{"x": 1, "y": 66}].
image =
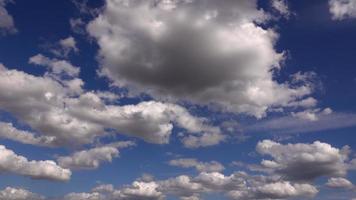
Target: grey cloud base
[{"x": 203, "y": 52}]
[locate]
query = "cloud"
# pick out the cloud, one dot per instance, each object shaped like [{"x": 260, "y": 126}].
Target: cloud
[
  {"x": 7, "y": 24},
  {"x": 282, "y": 7},
  {"x": 65, "y": 47},
  {"x": 342, "y": 9},
  {"x": 339, "y": 183},
  {"x": 301, "y": 124},
  {"x": 13, "y": 163},
  {"x": 303, "y": 162},
  {"x": 140, "y": 190},
  {"x": 311, "y": 114},
  {"x": 92, "y": 158},
  {"x": 84, "y": 196},
  {"x": 278, "y": 190},
  {"x": 76, "y": 117},
  {"x": 203, "y": 140},
  {"x": 10, "y": 193},
  {"x": 56, "y": 66},
  {"x": 8, "y": 131},
  {"x": 204, "y": 52},
  {"x": 77, "y": 25},
  {"x": 212, "y": 166},
  {"x": 236, "y": 186}
]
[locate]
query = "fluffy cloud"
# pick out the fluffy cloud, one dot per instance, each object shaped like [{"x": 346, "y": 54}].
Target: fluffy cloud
[
  {"x": 277, "y": 190},
  {"x": 56, "y": 66},
  {"x": 10, "y": 193},
  {"x": 342, "y": 9},
  {"x": 91, "y": 159},
  {"x": 6, "y": 21},
  {"x": 236, "y": 186},
  {"x": 13, "y": 163},
  {"x": 212, "y": 166},
  {"x": 339, "y": 183},
  {"x": 201, "y": 51},
  {"x": 8, "y": 131},
  {"x": 140, "y": 190},
  {"x": 303, "y": 162},
  {"x": 75, "y": 117}
]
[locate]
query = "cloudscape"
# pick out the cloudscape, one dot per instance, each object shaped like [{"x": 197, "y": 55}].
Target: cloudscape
[{"x": 177, "y": 100}]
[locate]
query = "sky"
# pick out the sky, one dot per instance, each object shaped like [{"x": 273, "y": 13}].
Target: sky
[{"x": 177, "y": 99}]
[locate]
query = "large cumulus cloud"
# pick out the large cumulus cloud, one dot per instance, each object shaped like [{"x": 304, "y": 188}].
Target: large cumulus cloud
[
  {"x": 60, "y": 110},
  {"x": 203, "y": 51},
  {"x": 304, "y": 162}
]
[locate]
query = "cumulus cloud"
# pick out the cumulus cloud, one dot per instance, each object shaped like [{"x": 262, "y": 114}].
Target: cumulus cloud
[
  {"x": 8, "y": 131},
  {"x": 211, "y": 166},
  {"x": 10, "y": 193},
  {"x": 91, "y": 159},
  {"x": 47, "y": 169},
  {"x": 342, "y": 9},
  {"x": 201, "y": 51},
  {"x": 303, "y": 162},
  {"x": 278, "y": 190},
  {"x": 7, "y": 24},
  {"x": 74, "y": 116},
  {"x": 339, "y": 182},
  {"x": 56, "y": 66},
  {"x": 236, "y": 186}
]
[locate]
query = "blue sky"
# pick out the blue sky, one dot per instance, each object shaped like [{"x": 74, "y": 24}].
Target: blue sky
[{"x": 177, "y": 99}]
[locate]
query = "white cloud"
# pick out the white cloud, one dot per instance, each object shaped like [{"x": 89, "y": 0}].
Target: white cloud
[
  {"x": 211, "y": 166},
  {"x": 339, "y": 182},
  {"x": 342, "y": 9},
  {"x": 10, "y": 193},
  {"x": 64, "y": 47},
  {"x": 201, "y": 51},
  {"x": 277, "y": 190},
  {"x": 236, "y": 186},
  {"x": 47, "y": 169},
  {"x": 92, "y": 158},
  {"x": 84, "y": 196},
  {"x": 139, "y": 191},
  {"x": 7, "y": 24},
  {"x": 303, "y": 161},
  {"x": 75, "y": 117},
  {"x": 203, "y": 140},
  {"x": 57, "y": 67},
  {"x": 311, "y": 114},
  {"x": 281, "y": 6},
  {"x": 8, "y": 131},
  {"x": 77, "y": 25}
]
